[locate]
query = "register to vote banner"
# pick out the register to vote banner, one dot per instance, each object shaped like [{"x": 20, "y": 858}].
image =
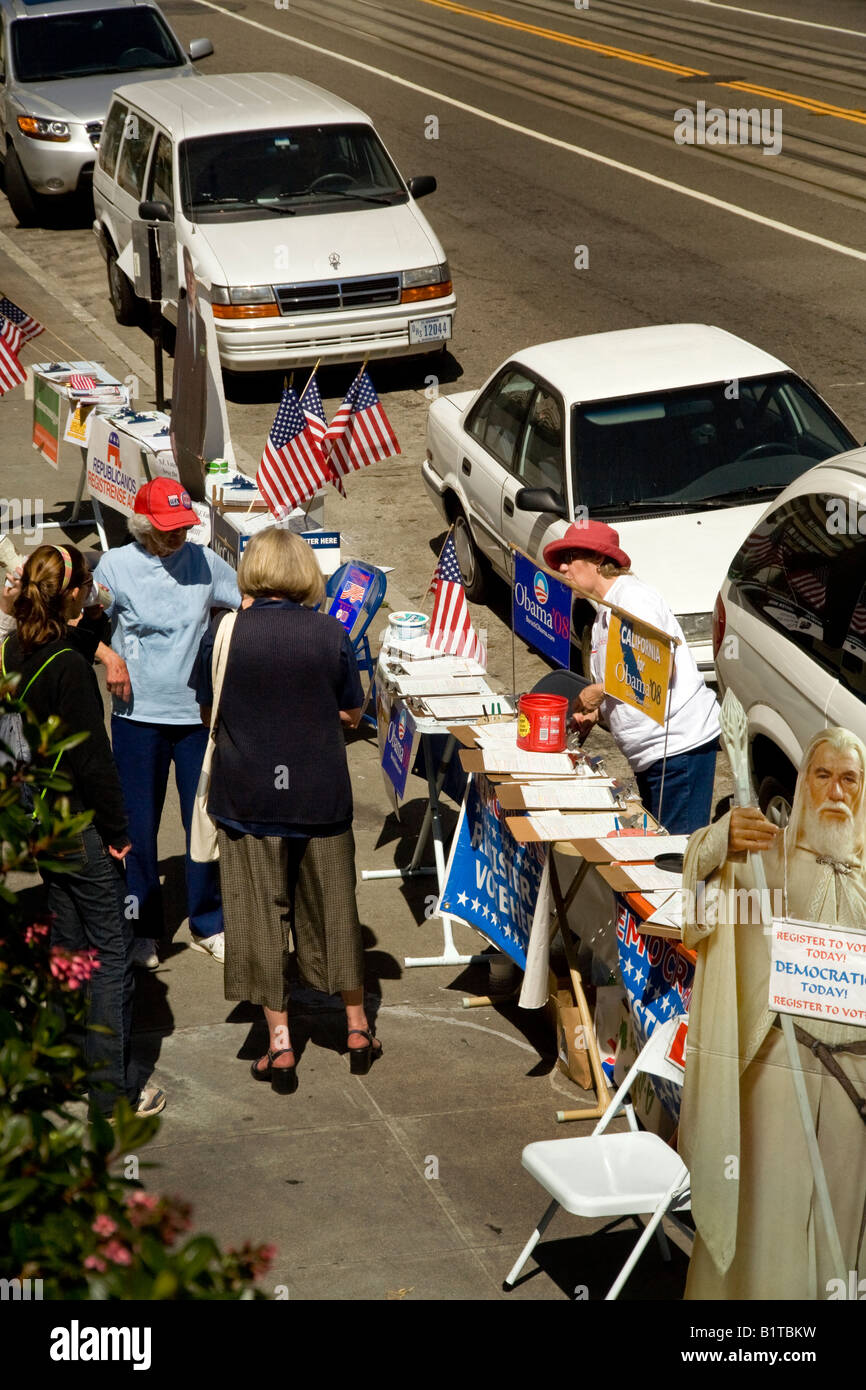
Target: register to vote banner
[
  {"x": 492, "y": 881},
  {"x": 818, "y": 972}
]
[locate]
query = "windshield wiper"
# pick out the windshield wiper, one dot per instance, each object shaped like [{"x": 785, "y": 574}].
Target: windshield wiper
[
  {"x": 383, "y": 198},
  {"x": 209, "y": 201}
]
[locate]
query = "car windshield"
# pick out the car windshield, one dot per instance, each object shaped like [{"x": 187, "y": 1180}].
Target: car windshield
[
  {"x": 705, "y": 446},
  {"x": 308, "y": 169},
  {"x": 96, "y": 41}
]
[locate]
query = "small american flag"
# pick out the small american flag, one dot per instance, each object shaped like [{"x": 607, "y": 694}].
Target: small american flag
[
  {"x": 451, "y": 627},
  {"x": 29, "y": 328},
  {"x": 314, "y": 408},
  {"x": 292, "y": 468},
  {"x": 360, "y": 432},
  {"x": 809, "y": 589},
  {"x": 79, "y": 382},
  {"x": 11, "y": 371}
]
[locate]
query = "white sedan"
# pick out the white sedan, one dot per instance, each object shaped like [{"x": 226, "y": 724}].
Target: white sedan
[{"x": 677, "y": 435}]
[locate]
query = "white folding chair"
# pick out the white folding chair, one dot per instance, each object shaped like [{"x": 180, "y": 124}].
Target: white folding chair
[{"x": 633, "y": 1173}]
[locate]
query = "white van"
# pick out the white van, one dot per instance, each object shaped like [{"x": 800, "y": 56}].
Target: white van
[{"x": 291, "y": 208}]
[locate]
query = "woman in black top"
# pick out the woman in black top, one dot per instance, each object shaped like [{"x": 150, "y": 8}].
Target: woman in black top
[
  {"x": 87, "y": 902},
  {"x": 282, "y": 800}
]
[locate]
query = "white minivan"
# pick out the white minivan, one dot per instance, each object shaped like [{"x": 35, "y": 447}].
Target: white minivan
[{"x": 291, "y": 208}]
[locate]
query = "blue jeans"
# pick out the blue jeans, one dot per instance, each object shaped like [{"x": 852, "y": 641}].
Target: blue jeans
[
  {"x": 143, "y": 754},
  {"x": 88, "y": 907},
  {"x": 687, "y": 798}
]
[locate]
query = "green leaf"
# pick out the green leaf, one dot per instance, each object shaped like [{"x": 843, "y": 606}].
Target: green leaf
[
  {"x": 15, "y": 1192},
  {"x": 195, "y": 1256}
]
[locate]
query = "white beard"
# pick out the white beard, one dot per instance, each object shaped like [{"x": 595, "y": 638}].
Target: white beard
[{"x": 829, "y": 835}]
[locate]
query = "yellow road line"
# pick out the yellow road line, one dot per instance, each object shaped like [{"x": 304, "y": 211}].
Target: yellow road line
[
  {"x": 626, "y": 55},
  {"x": 820, "y": 108}
]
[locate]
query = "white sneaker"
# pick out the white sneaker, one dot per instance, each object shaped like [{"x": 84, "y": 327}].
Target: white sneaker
[
  {"x": 144, "y": 953},
  {"x": 151, "y": 1101},
  {"x": 212, "y": 945}
]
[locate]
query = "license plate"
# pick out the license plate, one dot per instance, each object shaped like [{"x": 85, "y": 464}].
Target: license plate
[{"x": 430, "y": 330}]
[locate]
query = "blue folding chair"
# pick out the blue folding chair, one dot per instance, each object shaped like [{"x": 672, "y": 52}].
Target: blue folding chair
[{"x": 353, "y": 595}]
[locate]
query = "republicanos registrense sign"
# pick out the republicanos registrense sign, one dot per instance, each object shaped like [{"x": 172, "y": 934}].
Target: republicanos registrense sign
[
  {"x": 542, "y": 611},
  {"x": 492, "y": 881}
]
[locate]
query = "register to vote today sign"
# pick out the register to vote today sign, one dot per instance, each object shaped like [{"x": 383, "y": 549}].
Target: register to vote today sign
[{"x": 818, "y": 972}]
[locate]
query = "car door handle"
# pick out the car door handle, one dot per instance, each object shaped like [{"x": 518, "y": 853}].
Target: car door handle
[
  {"x": 508, "y": 507},
  {"x": 466, "y": 467}
]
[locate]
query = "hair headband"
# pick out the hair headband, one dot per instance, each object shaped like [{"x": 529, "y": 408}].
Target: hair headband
[{"x": 67, "y": 565}]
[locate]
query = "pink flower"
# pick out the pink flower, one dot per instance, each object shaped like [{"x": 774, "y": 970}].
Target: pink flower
[
  {"x": 117, "y": 1253},
  {"x": 35, "y": 931},
  {"x": 143, "y": 1199},
  {"x": 104, "y": 1226},
  {"x": 73, "y": 968},
  {"x": 94, "y": 1262}
]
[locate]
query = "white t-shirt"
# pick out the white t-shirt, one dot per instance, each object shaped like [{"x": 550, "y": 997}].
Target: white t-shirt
[{"x": 694, "y": 709}]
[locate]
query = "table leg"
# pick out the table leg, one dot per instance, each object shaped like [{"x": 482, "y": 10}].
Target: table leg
[{"x": 450, "y": 955}]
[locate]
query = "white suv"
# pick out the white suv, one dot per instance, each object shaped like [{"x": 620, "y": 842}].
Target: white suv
[
  {"x": 292, "y": 209},
  {"x": 790, "y": 622}
]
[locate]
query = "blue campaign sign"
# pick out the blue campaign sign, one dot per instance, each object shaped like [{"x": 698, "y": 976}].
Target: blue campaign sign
[
  {"x": 348, "y": 601},
  {"x": 658, "y": 982},
  {"x": 542, "y": 611},
  {"x": 492, "y": 881},
  {"x": 397, "y": 753}
]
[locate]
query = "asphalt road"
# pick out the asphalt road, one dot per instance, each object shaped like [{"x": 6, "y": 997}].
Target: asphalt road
[{"x": 554, "y": 129}]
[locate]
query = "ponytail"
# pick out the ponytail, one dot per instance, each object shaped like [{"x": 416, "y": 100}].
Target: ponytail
[{"x": 48, "y": 575}]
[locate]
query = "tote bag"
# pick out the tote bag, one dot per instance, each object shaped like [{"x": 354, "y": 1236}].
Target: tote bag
[{"x": 203, "y": 847}]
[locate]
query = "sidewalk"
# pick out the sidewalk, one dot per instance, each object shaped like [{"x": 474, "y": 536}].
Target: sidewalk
[{"x": 403, "y": 1184}]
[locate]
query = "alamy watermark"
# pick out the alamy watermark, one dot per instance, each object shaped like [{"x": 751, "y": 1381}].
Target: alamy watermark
[
  {"x": 737, "y": 126},
  {"x": 22, "y": 516}
]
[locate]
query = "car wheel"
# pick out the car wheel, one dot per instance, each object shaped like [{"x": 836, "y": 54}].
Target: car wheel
[
  {"x": 124, "y": 300},
  {"x": 22, "y": 199},
  {"x": 471, "y": 562},
  {"x": 775, "y": 800}
]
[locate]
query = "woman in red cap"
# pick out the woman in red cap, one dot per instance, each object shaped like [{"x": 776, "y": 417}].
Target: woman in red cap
[
  {"x": 163, "y": 589},
  {"x": 680, "y": 759}
]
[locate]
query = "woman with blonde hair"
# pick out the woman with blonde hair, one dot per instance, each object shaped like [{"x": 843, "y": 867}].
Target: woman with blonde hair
[
  {"x": 86, "y": 900},
  {"x": 282, "y": 800}
]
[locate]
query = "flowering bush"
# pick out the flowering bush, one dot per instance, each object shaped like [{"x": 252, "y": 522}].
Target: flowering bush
[{"x": 65, "y": 1217}]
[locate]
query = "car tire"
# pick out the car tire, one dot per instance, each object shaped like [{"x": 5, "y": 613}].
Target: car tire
[
  {"x": 22, "y": 199},
  {"x": 473, "y": 567},
  {"x": 775, "y": 799},
  {"x": 124, "y": 301}
]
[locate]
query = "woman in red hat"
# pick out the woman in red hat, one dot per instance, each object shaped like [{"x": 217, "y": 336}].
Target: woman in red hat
[
  {"x": 163, "y": 589},
  {"x": 673, "y": 765}
]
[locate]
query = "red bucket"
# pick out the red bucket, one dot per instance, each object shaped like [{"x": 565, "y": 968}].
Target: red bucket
[{"x": 541, "y": 723}]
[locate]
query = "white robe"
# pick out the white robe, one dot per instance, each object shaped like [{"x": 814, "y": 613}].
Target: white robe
[{"x": 760, "y": 1234}]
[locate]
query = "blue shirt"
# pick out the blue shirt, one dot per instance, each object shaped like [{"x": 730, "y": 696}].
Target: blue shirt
[{"x": 160, "y": 612}]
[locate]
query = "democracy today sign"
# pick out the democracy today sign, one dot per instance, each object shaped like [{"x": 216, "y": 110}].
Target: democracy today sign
[
  {"x": 818, "y": 972},
  {"x": 542, "y": 611}
]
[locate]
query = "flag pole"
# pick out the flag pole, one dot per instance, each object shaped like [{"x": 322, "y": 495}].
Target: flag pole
[{"x": 310, "y": 377}]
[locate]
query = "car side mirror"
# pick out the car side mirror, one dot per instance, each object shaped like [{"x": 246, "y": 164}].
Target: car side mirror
[
  {"x": 541, "y": 499},
  {"x": 200, "y": 48},
  {"x": 421, "y": 185},
  {"x": 155, "y": 212}
]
